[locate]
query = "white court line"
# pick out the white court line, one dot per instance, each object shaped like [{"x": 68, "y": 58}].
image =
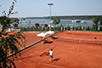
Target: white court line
[
  {"x": 50, "y": 65},
  {"x": 36, "y": 45},
  {"x": 88, "y": 54},
  {"x": 100, "y": 47},
  {"x": 77, "y": 39},
  {"x": 78, "y": 47}
]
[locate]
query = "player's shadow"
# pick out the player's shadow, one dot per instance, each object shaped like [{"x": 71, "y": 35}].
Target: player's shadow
[
  {"x": 48, "y": 41},
  {"x": 56, "y": 59},
  {"x": 44, "y": 54},
  {"x": 54, "y": 37},
  {"x": 20, "y": 58}
]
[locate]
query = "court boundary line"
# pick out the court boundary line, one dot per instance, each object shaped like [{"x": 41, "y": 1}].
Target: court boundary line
[
  {"x": 50, "y": 65},
  {"x": 100, "y": 47},
  {"x": 78, "y": 39},
  {"x": 84, "y": 53}
]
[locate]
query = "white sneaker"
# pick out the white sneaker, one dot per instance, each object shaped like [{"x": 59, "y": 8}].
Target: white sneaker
[{"x": 50, "y": 60}]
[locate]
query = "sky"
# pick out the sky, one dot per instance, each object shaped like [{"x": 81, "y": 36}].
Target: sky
[{"x": 40, "y": 8}]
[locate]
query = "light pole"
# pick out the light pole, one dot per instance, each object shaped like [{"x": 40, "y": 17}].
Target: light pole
[
  {"x": 50, "y": 12},
  {"x": 50, "y": 9}
]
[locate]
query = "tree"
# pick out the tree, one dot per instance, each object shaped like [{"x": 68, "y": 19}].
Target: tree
[
  {"x": 46, "y": 25},
  {"x": 80, "y": 28},
  {"x": 101, "y": 25},
  {"x": 56, "y": 21},
  {"x": 16, "y": 26},
  {"x": 5, "y": 21},
  {"x": 14, "y": 20},
  {"x": 85, "y": 24},
  {"x": 73, "y": 27},
  {"x": 68, "y": 27},
  {"x": 96, "y": 20},
  {"x": 37, "y": 25},
  {"x": 9, "y": 42},
  {"x": 88, "y": 28}
]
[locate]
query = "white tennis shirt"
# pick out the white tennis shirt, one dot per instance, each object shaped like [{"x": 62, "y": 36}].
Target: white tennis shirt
[{"x": 50, "y": 52}]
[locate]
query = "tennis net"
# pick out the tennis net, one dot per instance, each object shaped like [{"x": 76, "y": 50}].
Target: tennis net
[{"x": 80, "y": 41}]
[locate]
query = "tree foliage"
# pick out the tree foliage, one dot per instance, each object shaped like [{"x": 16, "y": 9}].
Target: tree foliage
[
  {"x": 5, "y": 21},
  {"x": 46, "y": 25},
  {"x": 37, "y": 25},
  {"x": 14, "y": 20},
  {"x": 96, "y": 20},
  {"x": 56, "y": 21},
  {"x": 101, "y": 24},
  {"x": 9, "y": 42}
]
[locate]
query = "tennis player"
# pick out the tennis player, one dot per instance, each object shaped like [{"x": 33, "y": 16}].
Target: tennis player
[
  {"x": 51, "y": 55},
  {"x": 95, "y": 38}
]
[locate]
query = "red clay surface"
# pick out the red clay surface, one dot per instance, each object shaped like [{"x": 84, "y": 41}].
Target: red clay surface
[
  {"x": 67, "y": 54},
  {"x": 30, "y": 38}
]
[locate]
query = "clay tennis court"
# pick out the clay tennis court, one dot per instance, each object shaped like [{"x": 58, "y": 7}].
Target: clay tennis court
[{"x": 72, "y": 49}]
